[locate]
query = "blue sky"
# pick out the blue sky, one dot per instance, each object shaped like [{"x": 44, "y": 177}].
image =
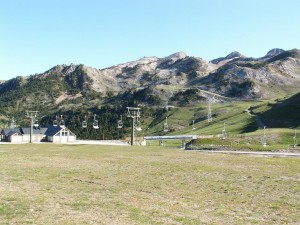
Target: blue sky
[{"x": 39, "y": 34}]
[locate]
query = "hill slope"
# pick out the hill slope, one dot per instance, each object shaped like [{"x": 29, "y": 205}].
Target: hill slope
[{"x": 178, "y": 80}]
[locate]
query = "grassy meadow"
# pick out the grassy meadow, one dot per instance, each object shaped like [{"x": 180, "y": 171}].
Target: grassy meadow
[{"x": 89, "y": 184}]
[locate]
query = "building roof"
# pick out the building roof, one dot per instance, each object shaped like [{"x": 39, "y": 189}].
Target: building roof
[
  {"x": 10, "y": 131},
  {"x": 48, "y": 131},
  {"x": 36, "y": 131},
  {"x": 52, "y": 130}
]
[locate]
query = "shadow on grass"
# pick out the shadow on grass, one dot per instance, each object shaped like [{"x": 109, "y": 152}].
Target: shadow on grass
[{"x": 283, "y": 114}]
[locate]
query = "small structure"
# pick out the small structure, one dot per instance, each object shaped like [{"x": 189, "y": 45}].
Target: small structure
[
  {"x": 11, "y": 135},
  {"x": 54, "y": 134},
  {"x": 38, "y": 134},
  {"x": 174, "y": 137},
  {"x": 59, "y": 135}
]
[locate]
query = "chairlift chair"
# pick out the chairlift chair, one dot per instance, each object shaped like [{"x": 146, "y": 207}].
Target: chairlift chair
[
  {"x": 13, "y": 123},
  {"x": 55, "y": 122},
  {"x": 95, "y": 123},
  {"x": 128, "y": 114},
  {"x": 35, "y": 124},
  {"x": 84, "y": 123},
  {"x": 120, "y": 123},
  {"x": 138, "y": 125},
  {"x": 61, "y": 122}
]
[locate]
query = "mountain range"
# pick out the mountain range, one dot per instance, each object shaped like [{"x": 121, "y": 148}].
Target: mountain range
[
  {"x": 177, "y": 79},
  {"x": 232, "y": 76}
]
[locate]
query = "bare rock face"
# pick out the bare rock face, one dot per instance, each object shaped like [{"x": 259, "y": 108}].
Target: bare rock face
[
  {"x": 234, "y": 75},
  {"x": 148, "y": 71}
]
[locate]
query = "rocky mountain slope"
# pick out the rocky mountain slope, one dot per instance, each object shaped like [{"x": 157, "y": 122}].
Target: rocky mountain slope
[
  {"x": 177, "y": 79},
  {"x": 234, "y": 75}
]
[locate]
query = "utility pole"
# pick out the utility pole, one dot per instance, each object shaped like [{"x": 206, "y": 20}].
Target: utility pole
[{"x": 31, "y": 115}]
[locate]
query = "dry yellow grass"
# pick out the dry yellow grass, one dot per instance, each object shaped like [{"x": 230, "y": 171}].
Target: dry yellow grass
[{"x": 64, "y": 184}]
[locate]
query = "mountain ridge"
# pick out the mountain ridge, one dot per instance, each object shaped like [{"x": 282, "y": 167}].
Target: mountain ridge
[
  {"x": 152, "y": 83},
  {"x": 234, "y": 75}
]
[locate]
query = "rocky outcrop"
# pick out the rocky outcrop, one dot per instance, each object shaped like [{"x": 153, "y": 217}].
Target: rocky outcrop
[{"x": 228, "y": 58}]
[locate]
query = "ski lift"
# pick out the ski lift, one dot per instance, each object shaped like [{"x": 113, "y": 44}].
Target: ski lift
[
  {"x": 138, "y": 124},
  {"x": 61, "y": 122},
  {"x": 95, "y": 123},
  {"x": 120, "y": 123},
  {"x": 166, "y": 127},
  {"x": 84, "y": 123},
  {"x": 55, "y": 122}
]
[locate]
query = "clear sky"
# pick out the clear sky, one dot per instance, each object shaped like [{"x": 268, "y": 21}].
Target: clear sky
[{"x": 36, "y": 35}]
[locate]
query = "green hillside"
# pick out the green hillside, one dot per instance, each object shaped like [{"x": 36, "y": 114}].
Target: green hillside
[{"x": 243, "y": 121}]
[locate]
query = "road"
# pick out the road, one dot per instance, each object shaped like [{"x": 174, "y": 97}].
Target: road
[{"x": 270, "y": 154}]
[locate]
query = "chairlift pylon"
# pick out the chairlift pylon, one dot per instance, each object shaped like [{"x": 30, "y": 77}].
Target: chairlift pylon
[
  {"x": 194, "y": 128},
  {"x": 166, "y": 127},
  {"x": 264, "y": 138},
  {"x": 224, "y": 134}
]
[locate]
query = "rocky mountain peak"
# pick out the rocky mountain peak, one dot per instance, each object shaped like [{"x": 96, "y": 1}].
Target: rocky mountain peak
[
  {"x": 177, "y": 56},
  {"x": 274, "y": 52},
  {"x": 232, "y": 55}
]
